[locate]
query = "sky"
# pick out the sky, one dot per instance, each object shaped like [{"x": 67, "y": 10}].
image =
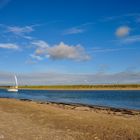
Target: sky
[{"x": 70, "y": 41}]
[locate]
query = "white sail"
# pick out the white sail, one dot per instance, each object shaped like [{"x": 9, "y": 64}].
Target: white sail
[{"x": 15, "y": 88}]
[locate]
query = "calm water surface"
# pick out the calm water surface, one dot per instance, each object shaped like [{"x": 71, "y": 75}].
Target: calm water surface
[{"x": 118, "y": 99}]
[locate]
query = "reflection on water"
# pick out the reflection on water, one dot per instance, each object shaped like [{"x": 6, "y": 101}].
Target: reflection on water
[{"x": 120, "y": 99}]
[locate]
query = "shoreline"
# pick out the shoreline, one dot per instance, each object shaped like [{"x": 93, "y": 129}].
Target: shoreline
[
  {"x": 91, "y": 107},
  {"x": 84, "y": 107}
]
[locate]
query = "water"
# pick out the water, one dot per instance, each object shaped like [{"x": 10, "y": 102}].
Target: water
[{"x": 119, "y": 99}]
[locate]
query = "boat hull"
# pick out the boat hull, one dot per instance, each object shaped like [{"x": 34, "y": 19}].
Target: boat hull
[{"x": 12, "y": 90}]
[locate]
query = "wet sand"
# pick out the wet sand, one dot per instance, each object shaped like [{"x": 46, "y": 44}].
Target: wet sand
[{"x": 28, "y": 120}]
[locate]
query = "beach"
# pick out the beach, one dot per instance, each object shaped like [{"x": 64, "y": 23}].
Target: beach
[{"x": 24, "y": 119}]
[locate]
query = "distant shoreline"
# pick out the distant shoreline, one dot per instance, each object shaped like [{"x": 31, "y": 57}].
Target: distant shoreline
[
  {"x": 80, "y": 87},
  {"x": 84, "y": 87},
  {"x": 63, "y": 89}
]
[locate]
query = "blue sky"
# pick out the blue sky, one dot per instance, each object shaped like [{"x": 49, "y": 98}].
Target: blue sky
[{"x": 85, "y": 37}]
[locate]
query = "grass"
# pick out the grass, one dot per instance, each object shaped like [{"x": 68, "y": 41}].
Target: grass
[
  {"x": 114, "y": 86},
  {"x": 80, "y": 87}
]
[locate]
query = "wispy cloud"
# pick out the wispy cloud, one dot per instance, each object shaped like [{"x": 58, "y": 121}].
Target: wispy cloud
[
  {"x": 9, "y": 46},
  {"x": 120, "y": 17},
  {"x": 130, "y": 39},
  {"x": 36, "y": 57},
  {"x": 122, "y": 31},
  {"x": 77, "y": 29},
  {"x": 20, "y": 30},
  {"x": 106, "y": 50},
  {"x": 60, "y": 51},
  {"x": 127, "y": 40},
  {"x": 73, "y": 30}
]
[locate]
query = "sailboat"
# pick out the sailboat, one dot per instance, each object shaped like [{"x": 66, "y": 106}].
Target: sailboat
[{"x": 14, "y": 88}]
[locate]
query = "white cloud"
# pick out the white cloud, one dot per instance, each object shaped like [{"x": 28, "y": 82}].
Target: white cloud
[
  {"x": 122, "y": 31},
  {"x": 9, "y": 46},
  {"x": 28, "y": 37},
  {"x": 60, "y": 51},
  {"x": 41, "y": 44},
  {"x": 36, "y": 57}
]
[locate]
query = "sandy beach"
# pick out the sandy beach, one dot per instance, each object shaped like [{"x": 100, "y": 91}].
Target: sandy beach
[{"x": 28, "y": 120}]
